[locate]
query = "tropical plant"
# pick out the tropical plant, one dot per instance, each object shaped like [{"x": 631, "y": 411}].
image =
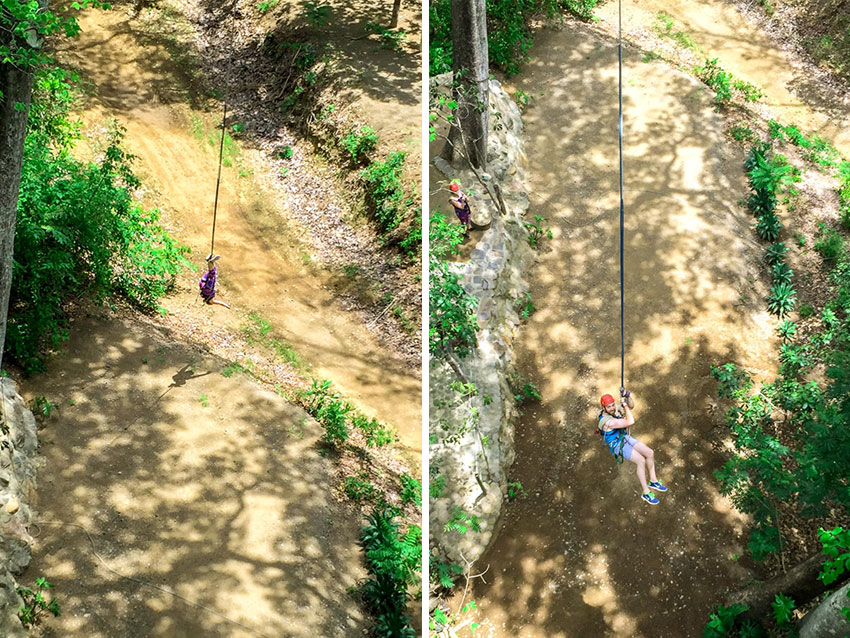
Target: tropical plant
[
  {"x": 781, "y": 299},
  {"x": 768, "y": 227},
  {"x": 35, "y": 604}
]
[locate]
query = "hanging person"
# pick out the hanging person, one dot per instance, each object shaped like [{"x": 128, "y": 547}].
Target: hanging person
[
  {"x": 207, "y": 283},
  {"x": 612, "y": 425}
]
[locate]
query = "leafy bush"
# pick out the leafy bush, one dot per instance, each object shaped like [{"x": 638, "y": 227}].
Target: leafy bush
[
  {"x": 452, "y": 320},
  {"x": 359, "y": 489},
  {"x": 35, "y": 603},
  {"x": 411, "y": 490},
  {"x": 775, "y": 253},
  {"x": 377, "y": 435},
  {"x": 831, "y": 244},
  {"x": 509, "y": 36},
  {"x": 78, "y": 230},
  {"x": 384, "y": 190},
  {"x": 787, "y": 329},
  {"x": 717, "y": 79},
  {"x": 782, "y": 273},
  {"x": 768, "y": 227},
  {"x": 358, "y": 144},
  {"x": 781, "y": 299},
  {"x": 722, "y": 621},
  {"x": 393, "y": 561},
  {"x": 762, "y": 202}
]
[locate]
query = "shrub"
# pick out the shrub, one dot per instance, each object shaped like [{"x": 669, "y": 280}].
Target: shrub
[
  {"x": 35, "y": 603},
  {"x": 82, "y": 235},
  {"x": 384, "y": 191},
  {"x": 768, "y": 227},
  {"x": 787, "y": 329},
  {"x": 377, "y": 435},
  {"x": 411, "y": 490},
  {"x": 781, "y": 299},
  {"x": 775, "y": 253},
  {"x": 831, "y": 245},
  {"x": 782, "y": 273},
  {"x": 358, "y": 144},
  {"x": 359, "y": 489},
  {"x": 762, "y": 202},
  {"x": 717, "y": 79}
]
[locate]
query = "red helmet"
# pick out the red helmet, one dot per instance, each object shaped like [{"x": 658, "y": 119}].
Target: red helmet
[
  {"x": 606, "y": 399},
  {"x": 453, "y": 187}
]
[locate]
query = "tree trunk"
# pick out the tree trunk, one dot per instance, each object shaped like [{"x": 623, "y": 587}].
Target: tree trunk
[
  {"x": 471, "y": 71},
  {"x": 800, "y": 583},
  {"x": 16, "y": 86},
  {"x": 394, "y": 19},
  {"x": 826, "y": 620}
]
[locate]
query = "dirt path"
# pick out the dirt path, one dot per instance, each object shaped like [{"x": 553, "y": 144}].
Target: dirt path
[
  {"x": 265, "y": 267},
  {"x": 792, "y": 92},
  {"x": 582, "y": 555},
  {"x": 209, "y": 486}
]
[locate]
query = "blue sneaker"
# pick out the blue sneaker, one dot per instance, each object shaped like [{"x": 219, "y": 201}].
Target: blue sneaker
[
  {"x": 657, "y": 486},
  {"x": 649, "y": 497}
]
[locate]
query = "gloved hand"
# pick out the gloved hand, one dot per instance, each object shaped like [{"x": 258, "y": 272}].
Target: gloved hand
[
  {"x": 627, "y": 397},
  {"x": 625, "y": 393}
]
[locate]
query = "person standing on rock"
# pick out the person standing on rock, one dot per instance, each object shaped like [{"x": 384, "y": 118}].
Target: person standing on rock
[
  {"x": 461, "y": 205},
  {"x": 207, "y": 283},
  {"x": 612, "y": 426}
]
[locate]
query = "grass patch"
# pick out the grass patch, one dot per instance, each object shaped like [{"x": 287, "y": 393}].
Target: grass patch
[{"x": 259, "y": 332}]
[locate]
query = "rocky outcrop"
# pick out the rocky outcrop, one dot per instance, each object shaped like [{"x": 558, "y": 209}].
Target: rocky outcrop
[
  {"x": 472, "y": 438},
  {"x": 18, "y": 443}
]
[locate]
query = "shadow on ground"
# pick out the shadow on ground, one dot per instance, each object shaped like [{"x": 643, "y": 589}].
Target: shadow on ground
[
  {"x": 582, "y": 555},
  {"x": 210, "y": 486}
]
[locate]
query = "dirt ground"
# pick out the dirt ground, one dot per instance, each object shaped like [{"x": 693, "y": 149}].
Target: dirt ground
[
  {"x": 582, "y": 555},
  {"x": 265, "y": 268},
  {"x": 211, "y": 487}
]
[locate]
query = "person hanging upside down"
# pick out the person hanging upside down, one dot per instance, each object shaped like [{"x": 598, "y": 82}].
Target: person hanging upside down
[
  {"x": 207, "y": 283},
  {"x": 612, "y": 426},
  {"x": 461, "y": 206}
]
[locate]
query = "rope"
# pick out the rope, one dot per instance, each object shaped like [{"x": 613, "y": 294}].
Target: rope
[
  {"x": 218, "y": 179},
  {"x": 165, "y": 590},
  {"x": 622, "y": 207}
]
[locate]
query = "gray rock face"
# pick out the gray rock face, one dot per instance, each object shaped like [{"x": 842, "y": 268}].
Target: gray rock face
[
  {"x": 18, "y": 443},
  {"x": 826, "y": 620},
  {"x": 472, "y": 439}
]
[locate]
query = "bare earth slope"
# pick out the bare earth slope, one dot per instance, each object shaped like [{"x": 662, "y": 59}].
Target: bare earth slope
[
  {"x": 212, "y": 487},
  {"x": 582, "y": 555},
  {"x": 262, "y": 269}
]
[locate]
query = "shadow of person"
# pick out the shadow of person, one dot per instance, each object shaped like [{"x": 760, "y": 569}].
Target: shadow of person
[{"x": 183, "y": 375}]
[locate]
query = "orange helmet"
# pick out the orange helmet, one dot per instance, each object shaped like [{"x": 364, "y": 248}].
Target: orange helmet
[
  {"x": 453, "y": 187},
  {"x": 606, "y": 399}
]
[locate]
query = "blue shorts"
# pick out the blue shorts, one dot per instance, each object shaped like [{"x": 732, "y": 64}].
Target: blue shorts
[{"x": 629, "y": 443}]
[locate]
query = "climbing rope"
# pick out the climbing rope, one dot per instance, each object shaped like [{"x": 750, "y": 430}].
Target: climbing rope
[
  {"x": 218, "y": 179},
  {"x": 622, "y": 207}
]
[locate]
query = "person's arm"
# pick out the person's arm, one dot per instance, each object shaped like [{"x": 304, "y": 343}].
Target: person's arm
[{"x": 628, "y": 421}]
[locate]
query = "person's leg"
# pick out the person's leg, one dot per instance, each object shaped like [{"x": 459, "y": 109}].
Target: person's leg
[
  {"x": 647, "y": 453},
  {"x": 637, "y": 458}
]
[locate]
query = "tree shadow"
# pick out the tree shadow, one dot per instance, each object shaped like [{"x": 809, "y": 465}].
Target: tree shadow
[{"x": 582, "y": 555}]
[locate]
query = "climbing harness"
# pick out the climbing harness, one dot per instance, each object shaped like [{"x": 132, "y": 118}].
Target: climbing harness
[
  {"x": 218, "y": 179},
  {"x": 619, "y": 444}
]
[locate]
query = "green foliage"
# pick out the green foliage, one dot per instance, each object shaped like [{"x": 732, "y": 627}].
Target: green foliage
[
  {"x": 285, "y": 153},
  {"x": 233, "y": 368},
  {"x": 787, "y": 329},
  {"x": 315, "y": 13},
  {"x": 722, "y": 621},
  {"x": 384, "y": 190},
  {"x": 783, "y": 608},
  {"x": 525, "y": 306},
  {"x": 664, "y": 27},
  {"x": 258, "y": 331},
  {"x": 411, "y": 490},
  {"x": 831, "y": 244},
  {"x": 516, "y": 490},
  {"x": 393, "y": 561},
  {"x": 836, "y": 545},
  {"x": 391, "y": 40},
  {"x": 444, "y": 573},
  {"x": 461, "y": 522},
  {"x": 35, "y": 604},
  {"x": 452, "y": 322},
  {"x": 781, "y": 299},
  {"x": 329, "y": 409},
  {"x": 509, "y": 36},
  {"x": 536, "y": 231},
  {"x": 412, "y": 244},
  {"x": 41, "y": 405},
  {"x": 775, "y": 253},
  {"x": 782, "y": 273},
  {"x": 723, "y": 83},
  {"x": 359, "y": 144},
  {"x": 743, "y": 133},
  {"x": 359, "y": 489},
  {"x": 78, "y": 230},
  {"x": 527, "y": 390},
  {"x": 267, "y": 5},
  {"x": 768, "y": 227},
  {"x": 815, "y": 149},
  {"x": 762, "y": 202},
  {"x": 377, "y": 435}
]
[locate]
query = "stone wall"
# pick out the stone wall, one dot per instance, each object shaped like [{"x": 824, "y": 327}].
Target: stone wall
[
  {"x": 18, "y": 443},
  {"x": 476, "y": 467}
]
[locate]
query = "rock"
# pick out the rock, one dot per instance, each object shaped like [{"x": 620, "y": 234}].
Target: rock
[{"x": 13, "y": 505}]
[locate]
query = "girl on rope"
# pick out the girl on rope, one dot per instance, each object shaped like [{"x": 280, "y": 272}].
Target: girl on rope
[
  {"x": 207, "y": 283},
  {"x": 612, "y": 425},
  {"x": 461, "y": 206}
]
